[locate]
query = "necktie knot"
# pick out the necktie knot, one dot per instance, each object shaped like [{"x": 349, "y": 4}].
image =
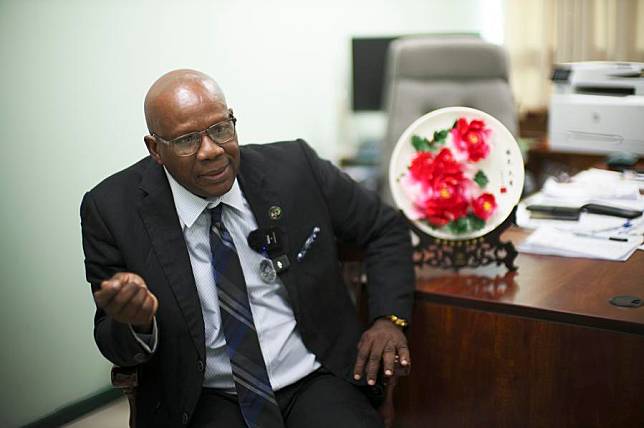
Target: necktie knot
[{"x": 215, "y": 215}]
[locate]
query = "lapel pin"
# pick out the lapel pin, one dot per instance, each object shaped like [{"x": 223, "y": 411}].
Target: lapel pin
[{"x": 275, "y": 212}]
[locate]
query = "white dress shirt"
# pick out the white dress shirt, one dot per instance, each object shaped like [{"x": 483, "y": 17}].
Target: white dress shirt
[{"x": 287, "y": 358}]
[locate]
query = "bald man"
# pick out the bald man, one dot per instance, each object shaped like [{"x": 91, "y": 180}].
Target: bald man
[{"x": 214, "y": 270}]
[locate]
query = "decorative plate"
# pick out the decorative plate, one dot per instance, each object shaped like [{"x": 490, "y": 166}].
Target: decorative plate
[{"x": 457, "y": 173}]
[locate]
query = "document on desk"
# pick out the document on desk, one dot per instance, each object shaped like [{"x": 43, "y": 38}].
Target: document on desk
[
  {"x": 592, "y": 186},
  {"x": 551, "y": 241}
]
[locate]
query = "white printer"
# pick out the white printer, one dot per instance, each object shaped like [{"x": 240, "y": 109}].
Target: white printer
[{"x": 597, "y": 107}]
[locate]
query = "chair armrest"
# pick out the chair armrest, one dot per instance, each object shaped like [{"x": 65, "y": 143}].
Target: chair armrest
[
  {"x": 127, "y": 380},
  {"x": 387, "y": 410},
  {"x": 125, "y": 377},
  {"x": 401, "y": 370}
]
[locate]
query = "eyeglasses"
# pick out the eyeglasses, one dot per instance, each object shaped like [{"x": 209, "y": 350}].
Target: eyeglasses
[{"x": 220, "y": 133}]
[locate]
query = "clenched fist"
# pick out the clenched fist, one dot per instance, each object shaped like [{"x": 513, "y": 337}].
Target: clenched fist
[{"x": 126, "y": 299}]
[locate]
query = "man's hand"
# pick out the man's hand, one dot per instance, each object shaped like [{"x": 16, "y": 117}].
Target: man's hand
[
  {"x": 383, "y": 341},
  {"x": 126, "y": 298}
]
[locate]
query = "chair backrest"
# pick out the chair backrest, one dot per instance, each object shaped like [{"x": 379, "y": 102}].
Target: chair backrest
[{"x": 431, "y": 72}]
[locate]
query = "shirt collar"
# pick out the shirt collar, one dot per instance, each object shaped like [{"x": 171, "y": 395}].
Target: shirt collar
[{"x": 190, "y": 206}]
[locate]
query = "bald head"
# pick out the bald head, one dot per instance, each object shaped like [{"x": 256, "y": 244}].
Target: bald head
[
  {"x": 177, "y": 94},
  {"x": 188, "y": 102}
]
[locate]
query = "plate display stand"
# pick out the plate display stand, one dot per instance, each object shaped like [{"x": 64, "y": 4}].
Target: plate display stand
[{"x": 465, "y": 253}]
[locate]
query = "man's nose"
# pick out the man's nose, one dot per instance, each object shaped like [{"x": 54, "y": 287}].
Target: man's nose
[{"x": 208, "y": 148}]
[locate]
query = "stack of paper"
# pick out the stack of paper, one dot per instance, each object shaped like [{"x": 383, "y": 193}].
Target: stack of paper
[
  {"x": 593, "y": 184},
  {"x": 590, "y": 235},
  {"x": 546, "y": 240}
]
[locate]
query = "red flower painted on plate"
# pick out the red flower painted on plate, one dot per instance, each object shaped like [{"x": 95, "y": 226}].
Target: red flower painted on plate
[
  {"x": 427, "y": 168},
  {"x": 484, "y": 206},
  {"x": 444, "y": 186},
  {"x": 422, "y": 166},
  {"x": 445, "y": 208},
  {"x": 471, "y": 138}
]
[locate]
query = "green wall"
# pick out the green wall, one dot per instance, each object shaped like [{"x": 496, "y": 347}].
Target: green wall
[
  {"x": 73, "y": 74},
  {"x": 59, "y": 134}
]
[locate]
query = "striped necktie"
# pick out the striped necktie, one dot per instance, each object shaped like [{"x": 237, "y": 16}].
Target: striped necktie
[{"x": 255, "y": 394}]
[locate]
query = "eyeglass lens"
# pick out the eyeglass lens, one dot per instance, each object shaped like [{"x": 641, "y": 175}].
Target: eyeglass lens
[
  {"x": 219, "y": 133},
  {"x": 222, "y": 132}
]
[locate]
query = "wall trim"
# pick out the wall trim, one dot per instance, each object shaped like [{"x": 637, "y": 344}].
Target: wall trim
[{"x": 78, "y": 409}]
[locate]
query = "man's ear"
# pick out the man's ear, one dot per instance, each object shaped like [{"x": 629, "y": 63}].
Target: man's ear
[{"x": 153, "y": 147}]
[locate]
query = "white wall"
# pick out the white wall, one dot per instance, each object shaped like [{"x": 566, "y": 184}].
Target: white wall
[{"x": 72, "y": 80}]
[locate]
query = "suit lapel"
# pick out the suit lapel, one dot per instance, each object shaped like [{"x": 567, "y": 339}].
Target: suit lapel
[
  {"x": 159, "y": 215},
  {"x": 262, "y": 195}
]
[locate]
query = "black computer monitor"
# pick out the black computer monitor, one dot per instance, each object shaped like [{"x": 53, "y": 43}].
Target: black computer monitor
[{"x": 369, "y": 61}]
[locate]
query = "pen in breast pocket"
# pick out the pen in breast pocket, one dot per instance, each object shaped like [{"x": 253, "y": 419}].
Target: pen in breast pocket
[{"x": 308, "y": 243}]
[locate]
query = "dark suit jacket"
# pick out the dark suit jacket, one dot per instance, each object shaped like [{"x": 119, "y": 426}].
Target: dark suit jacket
[{"x": 129, "y": 223}]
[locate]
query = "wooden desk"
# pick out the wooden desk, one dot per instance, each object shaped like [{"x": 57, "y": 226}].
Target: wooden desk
[{"x": 541, "y": 347}]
